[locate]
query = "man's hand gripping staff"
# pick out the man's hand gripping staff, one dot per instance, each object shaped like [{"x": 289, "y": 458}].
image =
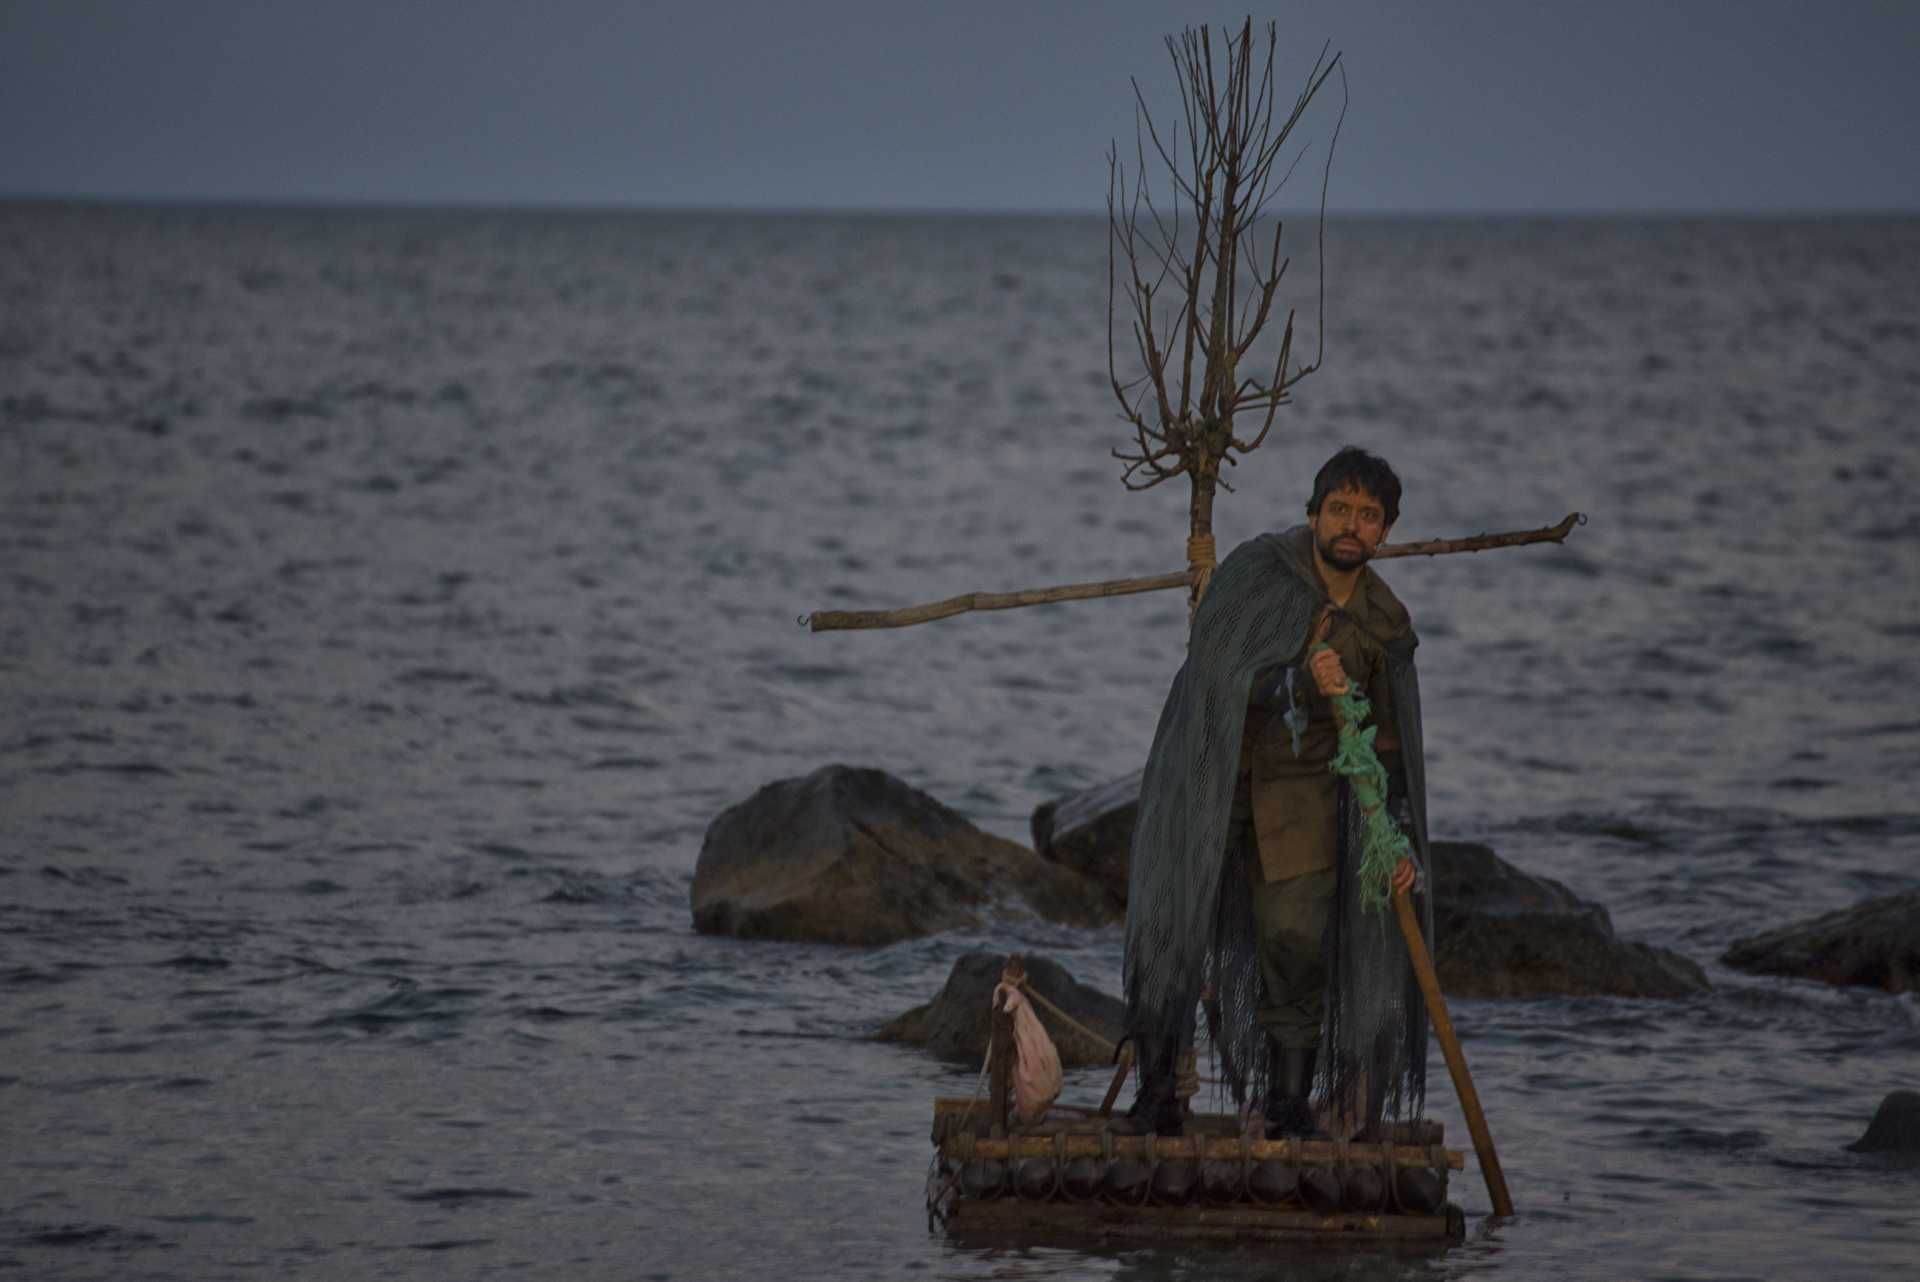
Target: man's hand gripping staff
[{"x": 1386, "y": 862}]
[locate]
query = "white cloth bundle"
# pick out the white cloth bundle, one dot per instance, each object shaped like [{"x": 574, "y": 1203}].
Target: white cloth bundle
[{"x": 1036, "y": 1064}]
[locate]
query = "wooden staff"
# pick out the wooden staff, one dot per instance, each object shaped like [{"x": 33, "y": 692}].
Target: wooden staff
[
  {"x": 1456, "y": 1061},
  {"x": 840, "y": 620}
]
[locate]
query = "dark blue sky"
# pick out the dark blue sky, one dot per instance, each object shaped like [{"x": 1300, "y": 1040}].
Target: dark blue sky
[{"x": 984, "y": 105}]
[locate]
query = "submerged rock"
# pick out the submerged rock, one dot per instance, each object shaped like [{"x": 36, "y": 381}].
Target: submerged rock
[
  {"x": 1875, "y": 943},
  {"x": 851, "y": 856},
  {"x": 1501, "y": 932},
  {"x": 1895, "y": 1127},
  {"x": 957, "y": 1024}
]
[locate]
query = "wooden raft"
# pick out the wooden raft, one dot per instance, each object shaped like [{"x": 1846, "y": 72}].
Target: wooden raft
[{"x": 1067, "y": 1174}]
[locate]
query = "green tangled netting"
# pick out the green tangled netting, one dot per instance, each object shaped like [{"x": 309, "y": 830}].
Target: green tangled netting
[{"x": 1385, "y": 845}]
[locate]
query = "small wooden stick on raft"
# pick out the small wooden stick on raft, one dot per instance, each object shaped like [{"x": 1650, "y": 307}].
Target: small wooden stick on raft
[{"x": 843, "y": 620}]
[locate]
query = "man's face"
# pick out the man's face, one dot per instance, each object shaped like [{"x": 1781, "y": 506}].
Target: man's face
[{"x": 1348, "y": 527}]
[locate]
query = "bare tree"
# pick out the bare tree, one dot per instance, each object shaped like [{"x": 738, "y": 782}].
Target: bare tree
[
  {"x": 1190, "y": 269},
  {"x": 1196, "y": 285}
]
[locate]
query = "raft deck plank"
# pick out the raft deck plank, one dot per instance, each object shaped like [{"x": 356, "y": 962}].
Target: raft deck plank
[{"x": 960, "y": 1130}]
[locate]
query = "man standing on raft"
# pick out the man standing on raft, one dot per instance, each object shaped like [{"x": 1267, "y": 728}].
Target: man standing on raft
[{"x": 1245, "y": 889}]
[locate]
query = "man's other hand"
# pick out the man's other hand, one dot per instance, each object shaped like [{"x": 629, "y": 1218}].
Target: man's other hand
[{"x": 1403, "y": 875}]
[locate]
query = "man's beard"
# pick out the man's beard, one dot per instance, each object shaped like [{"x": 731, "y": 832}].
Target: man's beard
[{"x": 1345, "y": 559}]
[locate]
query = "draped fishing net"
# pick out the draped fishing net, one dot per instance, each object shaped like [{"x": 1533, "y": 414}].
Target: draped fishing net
[{"x": 1190, "y": 927}]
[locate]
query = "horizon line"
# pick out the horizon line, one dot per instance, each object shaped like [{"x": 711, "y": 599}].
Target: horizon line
[{"x": 459, "y": 204}]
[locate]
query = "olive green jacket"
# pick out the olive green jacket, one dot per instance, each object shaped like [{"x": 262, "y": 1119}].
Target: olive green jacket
[{"x": 1291, "y": 797}]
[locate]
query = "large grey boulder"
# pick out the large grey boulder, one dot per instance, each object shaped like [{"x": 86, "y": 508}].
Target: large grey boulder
[
  {"x": 1500, "y": 932},
  {"x": 957, "y": 1024},
  {"x": 852, "y": 856},
  {"x": 1895, "y": 1128},
  {"x": 1874, "y": 943}
]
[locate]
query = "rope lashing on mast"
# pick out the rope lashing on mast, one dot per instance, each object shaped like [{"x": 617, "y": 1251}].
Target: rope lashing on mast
[{"x": 1200, "y": 563}]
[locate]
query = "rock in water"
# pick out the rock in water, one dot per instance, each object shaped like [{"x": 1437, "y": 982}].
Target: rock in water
[
  {"x": 1091, "y": 832},
  {"x": 1502, "y": 932},
  {"x": 850, "y": 856},
  {"x": 1895, "y": 1127},
  {"x": 957, "y": 1024},
  {"x": 1875, "y": 943}
]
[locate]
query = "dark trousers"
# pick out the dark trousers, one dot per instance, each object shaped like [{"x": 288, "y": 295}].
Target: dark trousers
[{"x": 1291, "y": 918}]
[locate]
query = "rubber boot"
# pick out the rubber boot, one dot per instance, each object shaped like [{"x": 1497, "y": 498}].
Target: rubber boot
[
  {"x": 1289, "y": 1114},
  {"x": 1156, "y": 1109}
]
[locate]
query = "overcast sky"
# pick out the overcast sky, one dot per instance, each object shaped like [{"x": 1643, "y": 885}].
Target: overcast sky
[{"x": 1513, "y": 105}]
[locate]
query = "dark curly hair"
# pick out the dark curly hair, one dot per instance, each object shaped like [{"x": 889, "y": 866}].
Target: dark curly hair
[{"x": 1354, "y": 468}]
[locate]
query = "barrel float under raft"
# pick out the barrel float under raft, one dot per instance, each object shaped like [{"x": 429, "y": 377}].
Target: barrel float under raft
[
  {"x": 1321, "y": 1189},
  {"x": 1175, "y": 1182},
  {"x": 983, "y": 1178},
  {"x": 1222, "y": 1182},
  {"x": 1364, "y": 1188},
  {"x": 1127, "y": 1181},
  {"x": 1035, "y": 1178},
  {"x": 1083, "y": 1177}
]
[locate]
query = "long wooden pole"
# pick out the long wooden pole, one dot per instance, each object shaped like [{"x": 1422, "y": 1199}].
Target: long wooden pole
[
  {"x": 838, "y": 620},
  {"x": 1456, "y": 1061},
  {"x": 843, "y": 620}
]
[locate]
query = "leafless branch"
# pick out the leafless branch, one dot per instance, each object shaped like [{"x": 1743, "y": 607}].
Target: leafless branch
[{"x": 1197, "y": 274}]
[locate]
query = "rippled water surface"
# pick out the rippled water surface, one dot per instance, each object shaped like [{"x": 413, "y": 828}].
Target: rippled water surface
[{"x": 391, "y": 599}]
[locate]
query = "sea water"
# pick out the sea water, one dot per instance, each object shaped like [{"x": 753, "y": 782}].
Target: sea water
[{"x": 393, "y": 597}]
